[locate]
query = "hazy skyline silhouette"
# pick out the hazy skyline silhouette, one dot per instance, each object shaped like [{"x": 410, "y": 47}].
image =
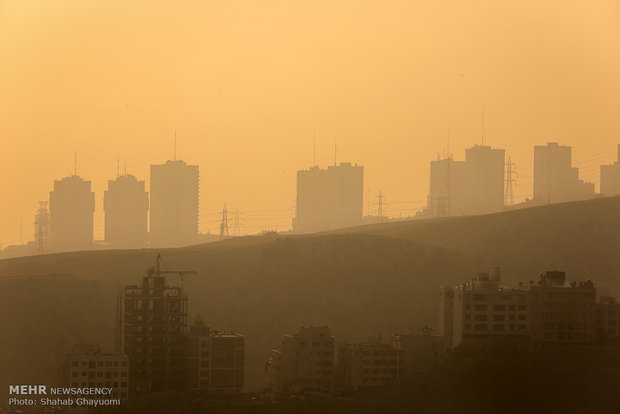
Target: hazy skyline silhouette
[{"x": 246, "y": 84}]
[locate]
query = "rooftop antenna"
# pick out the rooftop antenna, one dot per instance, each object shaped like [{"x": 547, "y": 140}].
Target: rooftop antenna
[
  {"x": 125, "y": 166},
  {"x": 335, "y": 152},
  {"x": 314, "y": 156},
  {"x": 448, "y": 156},
  {"x": 175, "y": 144},
  {"x": 482, "y": 125},
  {"x": 75, "y": 163},
  {"x": 118, "y": 161}
]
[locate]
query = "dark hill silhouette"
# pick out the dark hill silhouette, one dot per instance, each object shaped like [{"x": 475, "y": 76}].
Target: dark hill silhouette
[{"x": 361, "y": 281}]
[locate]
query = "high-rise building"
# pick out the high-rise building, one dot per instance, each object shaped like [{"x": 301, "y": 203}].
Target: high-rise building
[
  {"x": 329, "y": 199},
  {"x": 153, "y": 325},
  {"x": 126, "y": 205},
  {"x": 304, "y": 362},
  {"x": 555, "y": 179},
  {"x": 448, "y": 195},
  {"x": 174, "y": 204},
  {"x": 486, "y": 179},
  {"x": 215, "y": 360},
  {"x": 473, "y": 186},
  {"x": 608, "y": 320},
  {"x": 72, "y": 205},
  {"x": 610, "y": 178}
]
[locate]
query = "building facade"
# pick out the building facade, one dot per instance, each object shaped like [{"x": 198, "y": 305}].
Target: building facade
[
  {"x": 71, "y": 209},
  {"x": 153, "y": 322},
  {"x": 366, "y": 364},
  {"x": 484, "y": 312},
  {"x": 562, "y": 312},
  {"x": 610, "y": 178},
  {"x": 555, "y": 179},
  {"x": 304, "y": 362},
  {"x": 87, "y": 366},
  {"x": 174, "y": 204},
  {"x": 126, "y": 205},
  {"x": 329, "y": 199},
  {"x": 420, "y": 351},
  {"x": 473, "y": 186},
  {"x": 607, "y": 320},
  {"x": 215, "y": 360}
]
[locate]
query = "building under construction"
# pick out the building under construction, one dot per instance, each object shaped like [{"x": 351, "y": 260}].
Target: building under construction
[{"x": 152, "y": 327}]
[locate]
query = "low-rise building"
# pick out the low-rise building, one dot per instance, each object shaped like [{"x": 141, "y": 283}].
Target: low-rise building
[
  {"x": 87, "y": 366},
  {"x": 304, "y": 362},
  {"x": 482, "y": 311},
  {"x": 607, "y": 320},
  {"x": 366, "y": 364},
  {"x": 421, "y": 351},
  {"x": 215, "y": 360},
  {"x": 561, "y": 312}
]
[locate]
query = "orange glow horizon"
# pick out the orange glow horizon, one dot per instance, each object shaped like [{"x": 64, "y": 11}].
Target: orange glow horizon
[{"x": 246, "y": 83}]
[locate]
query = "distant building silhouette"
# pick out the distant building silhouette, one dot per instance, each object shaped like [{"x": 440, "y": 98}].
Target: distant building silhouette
[
  {"x": 555, "y": 179},
  {"x": 421, "y": 351},
  {"x": 72, "y": 204},
  {"x": 215, "y": 360},
  {"x": 329, "y": 199},
  {"x": 174, "y": 204},
  {"x": 607, "y": 320},
  {"x": 610, "y": 178},
  {"x": 126, "y": 205},
  {"x": 473, "y": 186},
  {"x": 486, "y": 179},
  {"x": 304, "y": 362}
]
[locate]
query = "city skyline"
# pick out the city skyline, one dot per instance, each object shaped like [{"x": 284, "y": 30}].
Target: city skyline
[{"x": 248, "y": 92}]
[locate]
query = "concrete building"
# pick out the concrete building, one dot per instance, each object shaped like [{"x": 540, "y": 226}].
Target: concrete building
[
  {"x": 87, "y": 366},
  {"x": 483, "y": 312},
  {"x": 71, "y": 209},
  {"x": 366, "y": 364},
  {"x": 152, "y": 322},
  {"x": 304, "y": 362},
  {"x": 486, "y": 179},
  {"x": 473, "y": 186},
  {"x": 607, "y": 320},
  {"x": 561, "y": 312},
  {"x": 555, "y": 180},
  {"x": 126, "y": 205},
  {"x": 329, "y": 199},
  {"x": 421, "y": 351},
  {"x": 610, "y": 178},
  {"x": 215, "y": 360},
  {"x": 448, "y": 195},
  {"x": 174, "y": 204}
]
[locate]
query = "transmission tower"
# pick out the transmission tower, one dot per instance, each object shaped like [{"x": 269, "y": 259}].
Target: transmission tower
[
  {"x": 511, "y": 172},
  {"x": 236, "y": 225},
  {"x": 224, "y": 224},
  {"x": 42, "y": 227},
  {"x": 380, "y": 198}
]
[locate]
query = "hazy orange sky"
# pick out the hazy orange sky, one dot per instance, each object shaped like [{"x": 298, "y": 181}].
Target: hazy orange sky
[{"x": 245, "y": 84}]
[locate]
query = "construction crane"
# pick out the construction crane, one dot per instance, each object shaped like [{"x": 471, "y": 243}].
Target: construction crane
[{"x": 158, "y": 272}]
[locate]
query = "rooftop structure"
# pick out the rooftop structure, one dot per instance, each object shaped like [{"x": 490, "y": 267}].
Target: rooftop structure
[{"x": 610, "y": 178}]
